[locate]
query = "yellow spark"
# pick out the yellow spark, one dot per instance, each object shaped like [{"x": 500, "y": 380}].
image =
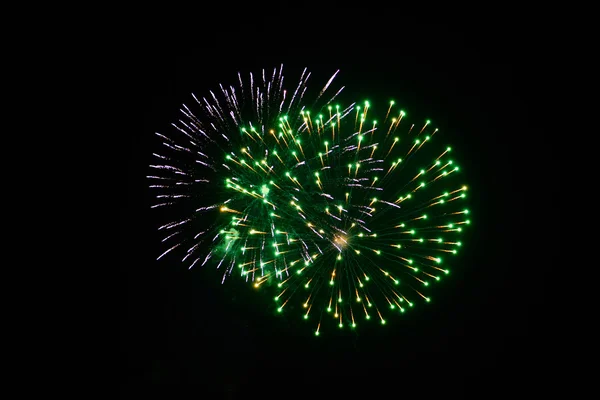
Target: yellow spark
[
  {"x": 424, "y": 126},
  {"x": 388, "y": 111},
  {"x": 392, "y": 146},
  {"x": 227, "y": 209},
  {"x": 441, "y": 155},
  {"x": 413, "y": 146},
  {"x": 373, "y": 151}
]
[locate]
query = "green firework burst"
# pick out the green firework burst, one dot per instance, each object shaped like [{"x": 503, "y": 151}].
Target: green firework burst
[{"x": 341, "y": 217}]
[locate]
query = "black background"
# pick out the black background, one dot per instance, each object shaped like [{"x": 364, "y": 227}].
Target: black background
[{"x": 484, "y": 330}]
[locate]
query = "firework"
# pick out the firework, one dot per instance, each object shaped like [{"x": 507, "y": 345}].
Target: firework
[{"x": 342, "y": 216}]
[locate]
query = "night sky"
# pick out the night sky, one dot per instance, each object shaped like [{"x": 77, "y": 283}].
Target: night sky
[{"x": 483, "y": 331}]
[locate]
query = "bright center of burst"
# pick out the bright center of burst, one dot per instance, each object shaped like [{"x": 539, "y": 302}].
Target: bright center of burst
[{"x": 340, "y": 241}]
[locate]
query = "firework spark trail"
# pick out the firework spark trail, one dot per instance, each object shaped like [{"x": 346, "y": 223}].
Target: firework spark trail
[{"x": 320, "y": 207}]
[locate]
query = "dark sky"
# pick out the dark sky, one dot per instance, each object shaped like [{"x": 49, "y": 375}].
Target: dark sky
[{"x": 484, "y": 332}]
